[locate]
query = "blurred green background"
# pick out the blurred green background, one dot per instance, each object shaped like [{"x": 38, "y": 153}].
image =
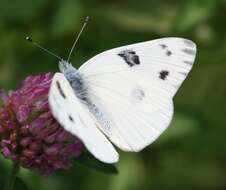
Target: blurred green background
[{"x": 191, "y": 154}]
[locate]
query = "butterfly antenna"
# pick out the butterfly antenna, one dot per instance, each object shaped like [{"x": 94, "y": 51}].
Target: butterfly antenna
[
  {"x": 76, "y": 40},
  {"x": 29, "y": 39}
]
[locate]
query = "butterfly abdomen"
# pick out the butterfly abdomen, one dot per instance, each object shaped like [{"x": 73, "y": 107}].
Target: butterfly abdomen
[{"x": 78, "y": 85}]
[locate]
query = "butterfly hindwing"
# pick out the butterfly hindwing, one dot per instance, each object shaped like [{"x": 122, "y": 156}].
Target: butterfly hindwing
[
  {"x": 134, "y": 85},
  {"x": 75, "y": 118}
]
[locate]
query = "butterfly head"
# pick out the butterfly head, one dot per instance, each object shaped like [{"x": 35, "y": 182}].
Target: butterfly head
[{"x": 66, "y": 67}]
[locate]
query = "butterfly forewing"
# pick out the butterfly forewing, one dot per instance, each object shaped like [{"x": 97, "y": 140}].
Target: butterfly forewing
[
  {"x": 74, "y": 116},
  {"x": 133, "y": 87}
]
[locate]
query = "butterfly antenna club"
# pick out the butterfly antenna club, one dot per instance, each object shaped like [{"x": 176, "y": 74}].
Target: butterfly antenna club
[
  {"x": 29, "y": 39},
  {"x": 78, "y": 36}
]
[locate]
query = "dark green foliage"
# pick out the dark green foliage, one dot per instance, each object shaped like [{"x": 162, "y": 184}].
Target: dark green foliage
[
  {"x": 20, "y": 184},
  {"x": 89, "y": 161}
]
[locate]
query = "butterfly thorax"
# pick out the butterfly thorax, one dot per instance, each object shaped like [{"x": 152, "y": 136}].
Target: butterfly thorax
[
  {"x": 74, "y": 78},
  {"x": 81, "y": 91}
]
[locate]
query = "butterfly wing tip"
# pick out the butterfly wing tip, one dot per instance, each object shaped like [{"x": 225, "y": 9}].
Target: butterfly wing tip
[{"x": 112, "y": 160}]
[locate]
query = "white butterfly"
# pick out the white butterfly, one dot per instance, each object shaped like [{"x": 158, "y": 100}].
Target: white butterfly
[{"x": 121, "y": 96}]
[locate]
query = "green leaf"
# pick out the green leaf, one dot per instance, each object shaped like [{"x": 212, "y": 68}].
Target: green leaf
[
  {"x": 183, "y": 124},
  {"x": 194, "y": 13},
  {"x": 20, "y": 184},
  {"x": 20, "y": 10},
  {"x": 89, "y": 161},
  {"x": 67, "y": 17}
]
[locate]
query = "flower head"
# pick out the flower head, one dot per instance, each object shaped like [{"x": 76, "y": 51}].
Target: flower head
[{"x": 28, "y": 131}]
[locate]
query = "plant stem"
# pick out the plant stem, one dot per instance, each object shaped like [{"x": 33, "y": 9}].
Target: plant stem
[{"x": 12, "y": 177}]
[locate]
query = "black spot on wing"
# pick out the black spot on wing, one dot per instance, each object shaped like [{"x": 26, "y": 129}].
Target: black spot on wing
[
  {"x": 163, "y": 74},
  {"x": 163, "y": 46},
  {"x": 71, "y": 118},
  {"x": 189, "y": 51},
  {"x": 168, "y": 53},
  {"x": 188, "y": 62},
  {"x": 189, "y": 43},
  {"x": 60, "y": 90},
  {"x": 130, "y": 57},
  {"x": 136, "y": 59},
  {"x": 183, "y": 73}
]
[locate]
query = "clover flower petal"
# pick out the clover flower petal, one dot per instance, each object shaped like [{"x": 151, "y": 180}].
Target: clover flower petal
[{"x": 28, "y": 131}]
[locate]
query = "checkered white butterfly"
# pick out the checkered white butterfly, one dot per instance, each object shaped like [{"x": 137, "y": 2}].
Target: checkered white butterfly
[{"x": 123, "y": 96}]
